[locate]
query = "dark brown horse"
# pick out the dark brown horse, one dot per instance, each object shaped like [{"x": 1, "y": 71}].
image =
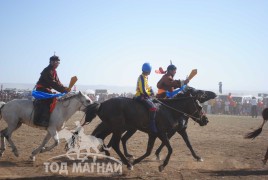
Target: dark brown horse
[
  {"x": 258, "y": 131},
  {"x": 121, "y": 114},
  {"x": 102, "y": 131}
]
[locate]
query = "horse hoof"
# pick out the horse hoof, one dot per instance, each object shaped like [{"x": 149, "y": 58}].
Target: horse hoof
[
  {"x": 132, "y": 161},
  {"x": 32, "y": 158},
  {"x": 1, "y": 155},
  {"x": 16, "y": 153},
  {"x": 107, "y": 153},
  {"x": 43, "y": 150},
  {"x": 200, "y": 160},
  {"x": 131, "y": 158},
  {"x": 161, "y": 168},
  {"x": 264, "y": 161},
  {"x": 130, "y": 167},
  {"x": 158, "y": 158}
]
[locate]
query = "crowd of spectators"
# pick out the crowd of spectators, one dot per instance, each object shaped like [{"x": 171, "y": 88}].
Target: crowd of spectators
[
  {"x": 102, "y": 97},
  {"x": 8, "y": 95},
  {"x": 220, "y": 105},
  {"x": 244, "y": 107}
]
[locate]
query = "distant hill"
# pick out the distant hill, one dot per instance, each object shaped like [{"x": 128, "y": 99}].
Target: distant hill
[
  {"x": 126, "y": 89},
  {"x": 111, "y": 89}
]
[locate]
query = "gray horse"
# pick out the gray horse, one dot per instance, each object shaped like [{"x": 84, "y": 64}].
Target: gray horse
[{"x": 19, "y": 111}]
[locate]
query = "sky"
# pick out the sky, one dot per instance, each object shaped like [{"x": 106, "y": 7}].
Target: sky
[{"x": 105, "y": 42}]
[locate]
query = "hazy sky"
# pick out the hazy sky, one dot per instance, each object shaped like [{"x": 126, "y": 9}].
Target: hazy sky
[{"x": 105, "y": 42}]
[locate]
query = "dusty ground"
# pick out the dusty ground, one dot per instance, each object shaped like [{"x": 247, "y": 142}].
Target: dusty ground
[{"x": 226, "y": 154}]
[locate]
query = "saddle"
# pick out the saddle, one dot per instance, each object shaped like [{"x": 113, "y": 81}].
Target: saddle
[{"x": 42, "y": 111}]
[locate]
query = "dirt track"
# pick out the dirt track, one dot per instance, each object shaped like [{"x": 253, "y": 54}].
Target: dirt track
[{"x": 226, "y": 154}]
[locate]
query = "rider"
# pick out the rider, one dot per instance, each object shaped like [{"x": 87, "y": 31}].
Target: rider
[
  {"x": 167, "y": 83},
  {"x": 48, "y": 80},
  {"x": 144, "y": 92}
]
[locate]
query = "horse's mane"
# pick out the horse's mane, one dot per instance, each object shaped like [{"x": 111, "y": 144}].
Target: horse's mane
[
  {"x": 176, "y": 98},
  {"x": 68, "y": 96},
  {"x": 182, "y": 98}
]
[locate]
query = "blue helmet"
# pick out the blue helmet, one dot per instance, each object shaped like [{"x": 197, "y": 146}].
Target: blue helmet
[{"x": 146, "y": 67}]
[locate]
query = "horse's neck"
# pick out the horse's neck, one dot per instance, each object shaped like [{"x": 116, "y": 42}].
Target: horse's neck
[
  {"x": 181, "y": 105},
  {"x": 68, "y": 110}
]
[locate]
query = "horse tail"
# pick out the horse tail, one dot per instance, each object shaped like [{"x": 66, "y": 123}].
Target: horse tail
[
  {"x": 1, "y": 106},
  {"x": 258, "y": 131},
  {"x": 265, "y": 114},
  {"x": 91, "y": 112}
]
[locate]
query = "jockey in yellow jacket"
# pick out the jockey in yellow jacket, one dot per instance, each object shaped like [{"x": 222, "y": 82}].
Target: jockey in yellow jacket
[{"x": 144, "y": 92}]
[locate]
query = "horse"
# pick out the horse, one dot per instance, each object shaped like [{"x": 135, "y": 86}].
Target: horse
[
  {"x": 20, "y": 111},
  {"x": 102, "y": 131},
  {"x": 121, "y": 113},
  {"x": 255, "y": 133}
]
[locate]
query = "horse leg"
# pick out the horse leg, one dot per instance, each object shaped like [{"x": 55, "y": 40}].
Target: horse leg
[
  {"x": 157, "y": 152},
  {"x": 6, "y": 133},
  {"x": 150, "y": 146},
  {"x": 115, "y": 144},
  {"x": 102, "y": 133},
  {"x": 265, "y": 157},
  {"x": 37, "y": 150},
  {"x": 3, "y": 143},
  {"x": 124, "y": 139},
  {"x": 184, "y": 135},
  {"x": 104, "y": 147},
  {"x": 55, "y": 136},
  {"x": 163, "y": 137}
]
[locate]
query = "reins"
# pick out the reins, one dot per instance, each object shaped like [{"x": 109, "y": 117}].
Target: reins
[{"x": 177, "y": 110}]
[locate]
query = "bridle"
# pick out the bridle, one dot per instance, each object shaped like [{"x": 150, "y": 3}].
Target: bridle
[
  {"x": 200, "y": 114},
  {"x": 83, "y": 104}
]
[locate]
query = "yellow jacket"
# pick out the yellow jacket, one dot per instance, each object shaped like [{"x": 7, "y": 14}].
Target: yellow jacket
[{"x": 143, "y": 88}]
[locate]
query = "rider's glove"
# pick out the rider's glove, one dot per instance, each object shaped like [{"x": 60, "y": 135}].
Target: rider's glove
[{"x": 67, "y": 90}]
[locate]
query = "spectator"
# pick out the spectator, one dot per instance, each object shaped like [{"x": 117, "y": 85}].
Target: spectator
[{"x": 254, "y": 107}]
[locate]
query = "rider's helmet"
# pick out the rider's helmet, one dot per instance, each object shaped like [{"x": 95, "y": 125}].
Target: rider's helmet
[
  {"x": 171, "y": 67},
  {"x": 54, "y": 58},
  {"x": 146, "y": 67}
]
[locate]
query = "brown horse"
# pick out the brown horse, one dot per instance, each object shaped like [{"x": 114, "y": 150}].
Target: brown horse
[
  {"x": 258, "y": 131},
  {"x": 120, "y": 114}
]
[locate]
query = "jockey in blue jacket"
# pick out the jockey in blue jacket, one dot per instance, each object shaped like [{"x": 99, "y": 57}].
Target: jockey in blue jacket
[{"x": 144, "y": 92}]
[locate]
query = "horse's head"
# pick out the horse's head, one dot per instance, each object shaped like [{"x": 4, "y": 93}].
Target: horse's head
[
  {"x": 199, "y": 114},
  {"x": 188, "y": 105},
  {"x": 84, "y": 100},
  {"x": 201, "y": 95}
]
